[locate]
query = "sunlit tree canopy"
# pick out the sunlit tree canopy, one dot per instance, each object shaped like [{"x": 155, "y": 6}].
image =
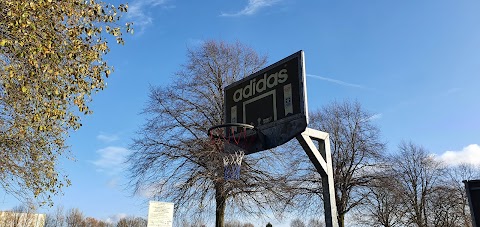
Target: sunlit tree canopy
[{"x": 51, "y": 62}]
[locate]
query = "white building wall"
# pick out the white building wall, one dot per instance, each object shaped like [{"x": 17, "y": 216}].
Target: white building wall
[{"x": 12, "y": 219}]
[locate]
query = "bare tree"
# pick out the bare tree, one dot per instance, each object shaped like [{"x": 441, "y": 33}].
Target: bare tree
[
  {"x": 50, "y": 221},
  {"x": 173, "y": 157},
  {"x": 93, "y": 222},
  {"x": 297, "y": 222},
  {"x": 451, "y": 204},
  {"x": 356, "y": 149},
  {"x": 383, "y": 204},
  {"x": 193, "y": 223},
  {"x": 237, "y": 223},
  {"x": 419, "y": 176},
  {"x": 122, "y": 223},
  {"x": 57, "y": 219},
  {"x": 132, "y": 222},
  {"x": 234, "y": 223},
  {"x": 74, "y": 218},
  {"x": 444, "y": 207},
  {"x": 415, "y": 189},
  {"x": 315, "y": 223}
]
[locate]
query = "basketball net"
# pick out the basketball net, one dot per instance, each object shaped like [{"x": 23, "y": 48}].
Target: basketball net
[
  {"x": 228, "y": 140},
  {"x": 232, "y": 164}
]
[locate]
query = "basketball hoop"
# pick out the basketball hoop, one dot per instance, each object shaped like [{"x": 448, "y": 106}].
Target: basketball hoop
[{"x": 232, "y": 140}]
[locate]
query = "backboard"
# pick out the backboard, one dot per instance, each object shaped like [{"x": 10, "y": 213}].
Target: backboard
[
  {"x": 473, "y": 195},
  {"x": 273, "y": 100}
]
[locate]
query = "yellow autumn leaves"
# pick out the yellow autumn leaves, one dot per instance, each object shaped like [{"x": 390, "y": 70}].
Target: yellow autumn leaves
[{"x": 51, "y": 62}]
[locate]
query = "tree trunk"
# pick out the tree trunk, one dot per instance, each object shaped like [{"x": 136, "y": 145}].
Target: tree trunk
[
  {"x": 341, "y": 220},
  {"x": 221, "y": 202}
]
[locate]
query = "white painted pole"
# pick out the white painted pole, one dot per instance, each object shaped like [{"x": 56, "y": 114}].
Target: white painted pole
[{"x": 322, "y": 160}]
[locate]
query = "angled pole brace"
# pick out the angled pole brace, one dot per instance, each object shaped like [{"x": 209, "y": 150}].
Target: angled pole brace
[{"x": 322, "y": 160}]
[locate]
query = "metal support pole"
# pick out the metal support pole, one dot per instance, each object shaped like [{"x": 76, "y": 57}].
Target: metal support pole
[{"x": 322, "y": 160}]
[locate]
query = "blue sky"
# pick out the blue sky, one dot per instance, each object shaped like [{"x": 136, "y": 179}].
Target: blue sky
[{"x": 413, "y": 64}]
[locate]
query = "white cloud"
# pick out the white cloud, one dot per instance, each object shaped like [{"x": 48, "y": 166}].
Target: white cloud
[
  {"x": 343, "y": 83},
  {"x": 252, "y": 7},
  {"x": 115, "y": 218},
  {"x": 111, "y": 159},
  {"x": 107, "y": 138},
  {"x": 374, "y": 117},
  {"x": 138, "y": 12},
  {"x": 468, "y": 155}
]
